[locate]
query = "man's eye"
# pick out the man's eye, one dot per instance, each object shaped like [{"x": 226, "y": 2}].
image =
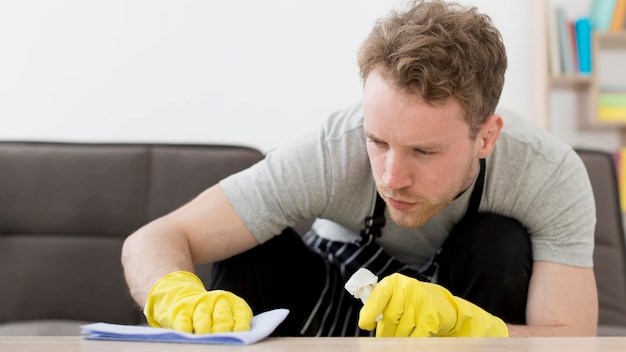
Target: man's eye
[
  {"x": 423, "y": 152},
  {"x": 377, "y": 143}
]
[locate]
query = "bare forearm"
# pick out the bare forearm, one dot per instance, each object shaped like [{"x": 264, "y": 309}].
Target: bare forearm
[
  {"x": 562, "y": 301},
  {"x": 205, "y": 230},
  {"x": 150, "y": 253}
]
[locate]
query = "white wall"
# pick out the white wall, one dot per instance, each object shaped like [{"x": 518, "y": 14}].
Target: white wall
[{"x": 247, "y": 72}]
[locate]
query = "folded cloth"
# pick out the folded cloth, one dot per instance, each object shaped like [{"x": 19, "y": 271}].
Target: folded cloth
[{"x": 261, "y": 326}]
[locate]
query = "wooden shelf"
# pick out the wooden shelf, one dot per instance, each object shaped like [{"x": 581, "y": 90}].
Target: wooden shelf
[
  {"x": 610, "y": 40},
  {"x": 571, "y": 81}
]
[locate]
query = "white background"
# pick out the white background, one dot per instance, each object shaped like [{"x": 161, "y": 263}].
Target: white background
[{"x": 257, "y": 73}]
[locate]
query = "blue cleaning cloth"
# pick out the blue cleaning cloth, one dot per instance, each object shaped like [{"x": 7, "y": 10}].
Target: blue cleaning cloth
[{"x": 261, "y": 326}]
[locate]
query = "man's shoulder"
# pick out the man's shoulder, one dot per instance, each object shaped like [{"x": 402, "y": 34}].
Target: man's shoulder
[
  {"x": 541, "y": 181},
  {"x": 521, "y": 139},
  {"x": 345, "y": 123},
  {"x": 535, "y": 166},
  {"x": 533, "y": 162}
]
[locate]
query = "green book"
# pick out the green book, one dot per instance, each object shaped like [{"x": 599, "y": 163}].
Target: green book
[{"x": 612, "y": 99}]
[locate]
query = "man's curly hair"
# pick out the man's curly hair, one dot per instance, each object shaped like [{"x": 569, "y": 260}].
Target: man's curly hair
[{"x": 440, "y": 50}]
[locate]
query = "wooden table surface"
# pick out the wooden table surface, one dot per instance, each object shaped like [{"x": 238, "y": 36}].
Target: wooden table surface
[{"x": 336, "y": 344}]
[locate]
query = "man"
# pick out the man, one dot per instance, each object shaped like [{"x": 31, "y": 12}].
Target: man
[{"x": 477, "y": 223}]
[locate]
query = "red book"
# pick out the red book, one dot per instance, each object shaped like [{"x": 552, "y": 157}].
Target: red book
[{"x": 572, "y": 36}]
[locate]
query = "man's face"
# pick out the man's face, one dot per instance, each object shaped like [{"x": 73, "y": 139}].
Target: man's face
[{"x": 421, "y": 155}]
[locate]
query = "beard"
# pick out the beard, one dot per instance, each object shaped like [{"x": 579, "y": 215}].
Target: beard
[
  {"x": 425, "y": 208},
  {"x": 422, "y": 212}
]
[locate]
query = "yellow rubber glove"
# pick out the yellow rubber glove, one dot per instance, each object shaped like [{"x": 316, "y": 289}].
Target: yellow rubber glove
[
  {"x": 419, "y": 309},
  {"x": 179, "y": 301}
]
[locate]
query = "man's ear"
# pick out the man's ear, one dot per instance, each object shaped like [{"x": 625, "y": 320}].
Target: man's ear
[{"x": 488, "y": 135}]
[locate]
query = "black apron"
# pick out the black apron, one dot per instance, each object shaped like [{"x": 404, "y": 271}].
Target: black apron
[{"x": 336, "y": 312}]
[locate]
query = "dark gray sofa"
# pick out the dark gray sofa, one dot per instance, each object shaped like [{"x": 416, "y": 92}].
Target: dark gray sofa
[{"x": 65, "y": 211}]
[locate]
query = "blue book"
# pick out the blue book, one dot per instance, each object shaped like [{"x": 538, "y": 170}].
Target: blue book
[{"x": 583, "y": 43}]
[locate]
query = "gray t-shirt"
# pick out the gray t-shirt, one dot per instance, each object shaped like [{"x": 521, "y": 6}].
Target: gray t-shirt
[{"x": 531, "y": 176}]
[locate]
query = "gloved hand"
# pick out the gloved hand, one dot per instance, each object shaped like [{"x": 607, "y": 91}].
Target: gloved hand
[
  {"x": 179, "y": 301},
  {"x": 413, "y": 308}
]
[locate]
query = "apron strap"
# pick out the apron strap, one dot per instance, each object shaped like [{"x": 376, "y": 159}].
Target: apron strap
[
  {"x": 477, "y": 192},
  {"x": 375, "y": 223}
]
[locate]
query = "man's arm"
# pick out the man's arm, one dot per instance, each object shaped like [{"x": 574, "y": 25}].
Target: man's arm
[
  {"x": 562, "y": 301},
  {"x": 207, "y": 229}
]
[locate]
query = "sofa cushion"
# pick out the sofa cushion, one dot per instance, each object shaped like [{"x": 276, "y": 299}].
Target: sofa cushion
[
  {"x": 66, "y": 208},
  {"x": 72, "y": 189}
]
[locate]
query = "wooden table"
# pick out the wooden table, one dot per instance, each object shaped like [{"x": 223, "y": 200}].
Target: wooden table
[{"x": 537, "y": 344}]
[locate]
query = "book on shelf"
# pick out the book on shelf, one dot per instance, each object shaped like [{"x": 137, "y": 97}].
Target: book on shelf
[
  {"x": 571, "y": 31},
  {"x": 570, "y": 41},
  {"x": 612, "y": 99},
  {"x": 612, "y": 114},
  {"x": 612, "y": 106},
  {"x": 618, "y": 22},
  {"x": 554, "y": 50},
  {"x": 564, "y": 41},
  {"x": 570, "y": 44},
  {"x": 583, "y": 44},
  {"x": 601, "y": 14}
]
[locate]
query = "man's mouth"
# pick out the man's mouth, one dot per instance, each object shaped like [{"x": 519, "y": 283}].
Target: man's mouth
[{"x": 399, "y": 204}]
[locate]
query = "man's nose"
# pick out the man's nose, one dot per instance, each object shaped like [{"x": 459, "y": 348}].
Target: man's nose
[{"x": 397, "y": 174}]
